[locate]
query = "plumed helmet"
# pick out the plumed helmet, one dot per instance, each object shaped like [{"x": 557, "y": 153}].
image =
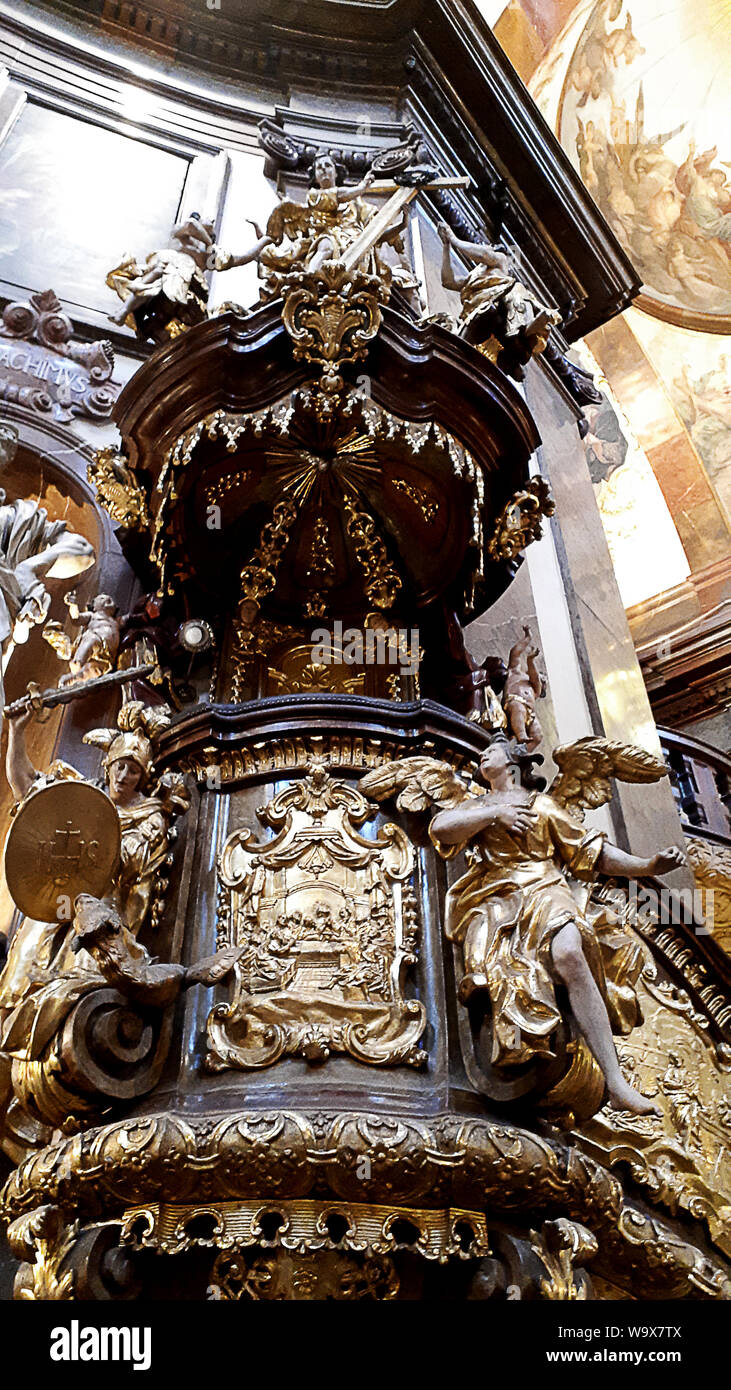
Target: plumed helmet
[{"x": 137, "y": 725}]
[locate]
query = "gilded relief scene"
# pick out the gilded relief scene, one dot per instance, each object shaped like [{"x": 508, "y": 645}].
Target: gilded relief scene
[{"x": 365, "y": 624}]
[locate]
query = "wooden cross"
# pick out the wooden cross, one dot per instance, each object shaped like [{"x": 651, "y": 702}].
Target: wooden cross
[{"x": 400, "y": 198}]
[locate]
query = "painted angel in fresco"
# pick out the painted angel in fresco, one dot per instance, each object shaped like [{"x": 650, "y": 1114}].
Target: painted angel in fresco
[
  {"x": 707, "y": 193},
  {"x": 494, "y": 285},
  {"x": 522, "y": 929}
]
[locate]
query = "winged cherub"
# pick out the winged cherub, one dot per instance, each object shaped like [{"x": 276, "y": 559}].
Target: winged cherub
[
  {"x": 94, "y": 651},
  {"x": 522, "y": 930}
]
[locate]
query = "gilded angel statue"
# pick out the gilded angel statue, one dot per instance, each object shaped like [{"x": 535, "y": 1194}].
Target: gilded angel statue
[
  {"x": 522, "y": 929},
  {"x": 94, "y": 651},
  {"x": 52, "y": 965},
  {"x": 172, "y": 277},
  {"x": 146, "y": 806},
  {"x": 322, "y": 228}
]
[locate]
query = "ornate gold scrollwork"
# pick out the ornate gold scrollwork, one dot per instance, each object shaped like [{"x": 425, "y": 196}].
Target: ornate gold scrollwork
[
  {"x": 682, "y": 1157},
  {"x": 297, "y": 674},
  {"x": 117, "y": 489},
  {"x": 332, "y": 315},
  {"x": 328, "y": 926},
  {"x": 561, "y": 1246},
  {"x": 63, "y": 1261},
  {"x": 380, "y": 579},
  {"x": 44, "y": 1241},
  {"x": 519, "y": 522},
  {"x": 161, "y": 1157},
  {"x": 304, "y": 1226},
  {"x": 341, "y": 750},
  {"x": 279, "y": 1275},
  {"x": 428, "y": 506},
  {"x": 258, "y": 579}
]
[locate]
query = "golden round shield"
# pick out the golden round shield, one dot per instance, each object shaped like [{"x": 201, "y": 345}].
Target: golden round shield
[{"x": 64, "y": 840}]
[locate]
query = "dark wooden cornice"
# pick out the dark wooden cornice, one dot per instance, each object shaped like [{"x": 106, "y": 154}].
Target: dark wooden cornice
[
  {"x": 432, "y": 58},
  {"x": 459, "y": 65},
  {"x": 210, "y": 731},
  {"x": 418, "y": 371}
]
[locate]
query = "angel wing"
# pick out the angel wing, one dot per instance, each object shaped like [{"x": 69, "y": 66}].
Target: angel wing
[
  {"x": 289, "y": 219},
  {"x": 587, "y": 767},
  {"x": 120, "y": 276},
  {"x": 62, "y": 644},
  {"x": 418, "y": 784}
]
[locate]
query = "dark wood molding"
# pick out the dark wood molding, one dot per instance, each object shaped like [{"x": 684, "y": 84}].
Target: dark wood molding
[
  {"x": 434, "y": 56},
  {"x": 419, "y": 371},
  {"x": 217, "y": 729}
]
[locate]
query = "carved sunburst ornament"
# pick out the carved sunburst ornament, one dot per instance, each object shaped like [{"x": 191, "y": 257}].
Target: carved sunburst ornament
[{"x": 366, "y": 506}]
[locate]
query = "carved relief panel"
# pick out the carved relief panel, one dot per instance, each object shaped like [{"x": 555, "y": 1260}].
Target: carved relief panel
[
  {"x": 681, "y": 1157},
  {"x": 327, "y": 923}
]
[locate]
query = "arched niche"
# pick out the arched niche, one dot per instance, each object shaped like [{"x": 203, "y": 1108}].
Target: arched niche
[{"x": 50, "y": 467}]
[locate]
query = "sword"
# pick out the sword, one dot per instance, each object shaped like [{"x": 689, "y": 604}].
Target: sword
[{"x": 47, "y": 699}]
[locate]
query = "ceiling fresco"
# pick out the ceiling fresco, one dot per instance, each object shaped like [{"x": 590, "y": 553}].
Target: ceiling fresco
[
  {"x": 643, "y": 113},
  {"x": 637, "y": 91}
]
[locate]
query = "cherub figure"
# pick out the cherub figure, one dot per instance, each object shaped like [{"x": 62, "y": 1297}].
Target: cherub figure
[
  {"x": 622, "y": 46},
  {"x": 173, "y": 274},
  {"x": 523, "y": 932},
  {"x": 95, "y": 650},
  {"x": 494, "y": 286},
  {"x": 523, "y": 686}
]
